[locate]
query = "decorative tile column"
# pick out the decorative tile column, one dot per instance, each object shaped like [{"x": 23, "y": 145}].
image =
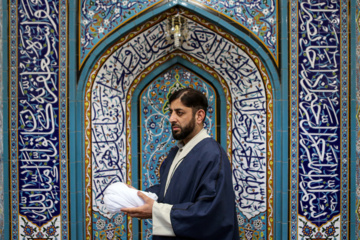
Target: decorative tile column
[
  {"x": 357, "y": 230},
  {"x": 38, "y": 119},
  {"x": 319, "y": 119}
]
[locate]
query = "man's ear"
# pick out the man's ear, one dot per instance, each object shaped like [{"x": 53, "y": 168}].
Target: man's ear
[{"x": 200, "y": 116}]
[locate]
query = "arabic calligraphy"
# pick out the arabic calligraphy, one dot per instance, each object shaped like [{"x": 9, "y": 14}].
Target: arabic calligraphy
[
  {"x": 249, "y": 122},
  {"x": 38, "y": 102},
  {"x": 319, "y": 115},
  {"x": 38, "y": 112}
]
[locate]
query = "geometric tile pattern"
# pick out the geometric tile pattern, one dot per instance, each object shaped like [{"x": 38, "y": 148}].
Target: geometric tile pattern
[
  {"x": 319, "y": 120},
  {"x": 38, "y": 119},
  {"x": 249, "y": 127},
  {"x": 98, "y": 19}
]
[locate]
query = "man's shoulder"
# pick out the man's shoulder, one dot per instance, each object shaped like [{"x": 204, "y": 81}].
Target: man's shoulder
[
  {"x": 211, "y": 143},
  {"x": 207, "y": 147}
]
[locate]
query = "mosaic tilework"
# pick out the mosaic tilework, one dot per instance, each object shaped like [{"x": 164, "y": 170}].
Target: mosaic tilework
[
  {"x": 244, "y": 80},
  {"x": 357, "y": 231},
  {"x": 260, "y": 17},
  {"x": 319, "y": 103},
  {"x": 156, "y": 138},
  {"x": 38, "y": 105},
  {"x": 99, "y": 18}
]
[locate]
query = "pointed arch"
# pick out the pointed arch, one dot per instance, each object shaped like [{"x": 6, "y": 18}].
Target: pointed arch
[
  {"x": 215, "y": 16},
  {"x": 123, "y": 65},
  {"x": 241, "y": 33}
]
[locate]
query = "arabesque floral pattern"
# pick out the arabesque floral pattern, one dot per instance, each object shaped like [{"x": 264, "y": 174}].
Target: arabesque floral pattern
[{"x": 99, "y": 18}]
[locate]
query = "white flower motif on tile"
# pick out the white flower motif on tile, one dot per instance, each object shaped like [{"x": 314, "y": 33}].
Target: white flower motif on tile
[
  {"x": 167, "y": 76},
  {"x": 91, "y": 13},
  {"x": 358, "y": 146},
  {"x": 266, "y": 11},
  {"x": 273, "y": 39},
  {"x": 255, "y": 29},
  {"x": 117, "y": 10},
  {"x": 100, "y": 224},
  {"x": 250, "y": 21},
  {"x": 119, "y": 219},
  {"x": 238, "y": 10},
  {"x": 231, "y": 2},
  {"x": 106, "y": 22},
  {"x": 358, "y": 50},
  {"x": 358, "y": 191},
  {"x": 85, "y": 22},
  {"x": 82, "y": 40},
  {"x": 241, "y": 220},
  {"x": 125, "y": 3},
  {"x": 101, "y": 29},
  {"x": 258, "y": 224},
  {"x": 358, "y": 96},
  {"x": 114, "y": 1},
  {"x": 187, "y": 75}
]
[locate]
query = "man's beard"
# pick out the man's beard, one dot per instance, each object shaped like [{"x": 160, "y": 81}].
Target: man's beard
[{"x": 184, "y": 131}]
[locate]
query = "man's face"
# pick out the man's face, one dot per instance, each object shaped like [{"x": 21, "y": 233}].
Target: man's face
[{"x": 182, "y": 120}]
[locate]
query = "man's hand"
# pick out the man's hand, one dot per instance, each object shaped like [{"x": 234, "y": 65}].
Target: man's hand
[{"x": 144, "y": 211}]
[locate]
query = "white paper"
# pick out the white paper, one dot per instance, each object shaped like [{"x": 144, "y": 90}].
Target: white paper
[{"x": 119, "y": 195}]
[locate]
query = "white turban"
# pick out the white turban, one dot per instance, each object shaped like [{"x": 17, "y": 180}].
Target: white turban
[{"x": 118, "y": 195}]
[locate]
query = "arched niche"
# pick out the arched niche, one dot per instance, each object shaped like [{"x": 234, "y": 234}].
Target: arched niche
[
  {"x": 248, "y": 133},
  {"x": 150, "y": 126}
]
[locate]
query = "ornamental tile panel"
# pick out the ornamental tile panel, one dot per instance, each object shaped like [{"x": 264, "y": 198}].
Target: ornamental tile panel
[
  {"x": 98, "y": 19},
  {"x": 319, "y": 113},
  {"x": 357, "y": 230},
  {"x": 38, "y": 120},
  {"x": 109, "y": 121}
]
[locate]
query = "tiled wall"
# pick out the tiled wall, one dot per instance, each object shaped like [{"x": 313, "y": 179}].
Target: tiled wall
[
  {"x": 38, "y": 119},
  {"x": 319, "y": 120},
  {"x": 318, "y": 84},
  {"x": 247, "y": 106},
  {"x": 99, "y": 19}
]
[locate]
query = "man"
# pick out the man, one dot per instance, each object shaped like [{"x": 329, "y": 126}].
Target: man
[{"x": 196, "y": 198}]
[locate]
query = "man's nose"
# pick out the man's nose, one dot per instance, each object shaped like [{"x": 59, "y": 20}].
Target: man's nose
[{"x": 172, "y": 118}]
